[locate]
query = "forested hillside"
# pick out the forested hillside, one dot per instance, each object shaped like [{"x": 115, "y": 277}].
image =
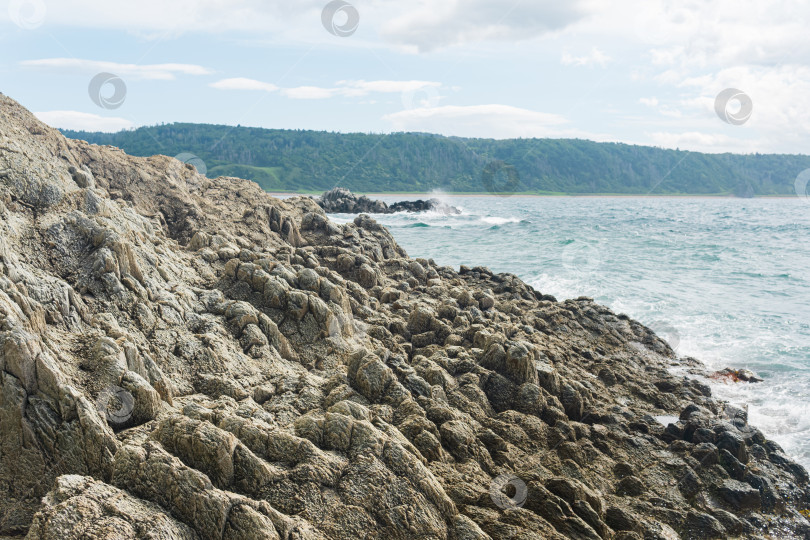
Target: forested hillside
[{"x": 316, "y": 161}]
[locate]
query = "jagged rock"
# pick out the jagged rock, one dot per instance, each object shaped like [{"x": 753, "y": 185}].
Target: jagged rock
[
  {"x": 735, "y": 445},
  {"x": 703, "y": 526},
  {"x": 620, "y": 520},
  {"x": 630, "y": 486},
  {"x": 185, "y": 357},
  {"x": 739, "y": 495}
]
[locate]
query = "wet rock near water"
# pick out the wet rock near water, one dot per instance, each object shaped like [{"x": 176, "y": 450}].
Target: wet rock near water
[
  {"x": 343, "y": 201},
  {"x": 184, "y": 357},
  {"x": 736, "y": 375}
]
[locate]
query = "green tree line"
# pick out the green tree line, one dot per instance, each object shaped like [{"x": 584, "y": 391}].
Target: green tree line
[{"x": 298, "y": 160}]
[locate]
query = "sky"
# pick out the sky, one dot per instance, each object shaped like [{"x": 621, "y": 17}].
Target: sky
[{"x": 710, "y": 76}]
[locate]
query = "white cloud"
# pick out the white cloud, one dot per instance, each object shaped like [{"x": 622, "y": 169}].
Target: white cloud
[
  {"x": 594, "y": 58},
  {"x": 309, "y": 92},
  {"x": 179, "y": 16},
  {"x": 428, "y": 25},
  {"x": 671, "y": 112},
  {"x": 149, "y": 71},
  {"x": 241, "y": 83},
  {"x": 704, "y": 142},
  {"x": 392, "y": 87},
  {"x": 732, "y": 32},
  {"x": 425, "y": 25},
  {"x": 489, "y": 121},
  {"x": 780, "y": 121},
  {"x": 81, "y": 121},
  {"x": 778, "y": 94},
  {"x": 688, "y": 52},
  {"x": 358, "y": 88}
]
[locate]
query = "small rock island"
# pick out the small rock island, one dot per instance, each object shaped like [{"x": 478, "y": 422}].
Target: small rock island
[{"x": 342, "y": 201}]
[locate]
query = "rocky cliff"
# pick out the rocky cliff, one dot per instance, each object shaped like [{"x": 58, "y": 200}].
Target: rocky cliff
[{"x": 189, "y": 358}]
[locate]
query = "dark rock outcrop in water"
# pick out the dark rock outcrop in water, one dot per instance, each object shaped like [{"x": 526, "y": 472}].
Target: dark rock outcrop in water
[
  {"x": 736, "y": 375},
  {"x": 183, "y": 357},
  {"x": 343, "y": 201}
]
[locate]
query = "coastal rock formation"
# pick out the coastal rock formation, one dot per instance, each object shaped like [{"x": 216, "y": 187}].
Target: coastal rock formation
[
  {"x": 182, "y": 357},
  {"x": 343, "y": 201}
]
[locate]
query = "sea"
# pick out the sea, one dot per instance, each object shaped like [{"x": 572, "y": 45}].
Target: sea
[{"x": 724, "y": 280}]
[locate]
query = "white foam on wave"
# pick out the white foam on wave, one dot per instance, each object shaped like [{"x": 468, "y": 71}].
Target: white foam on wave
[
  {"x": 342, "y": 219},
  {"x": 440, "y": 195},
  {"x": 565, "y": 285},
  {"x": 438, "y": 213},
  {"x": 494, "y": 220},
  {"x": 779, "y": 406}
]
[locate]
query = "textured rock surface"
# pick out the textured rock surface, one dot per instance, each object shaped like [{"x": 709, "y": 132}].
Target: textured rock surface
[
  {"x": 342, "y": 201},
  {"x": 183, "y": 357}
]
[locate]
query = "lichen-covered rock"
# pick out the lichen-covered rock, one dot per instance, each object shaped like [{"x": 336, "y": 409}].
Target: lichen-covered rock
[
  {"x": 184, "y": 357},
  {"x": 80, "y": 507}
]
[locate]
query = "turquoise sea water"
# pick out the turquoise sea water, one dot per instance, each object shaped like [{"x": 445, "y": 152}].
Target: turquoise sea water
[{"x": 724, "y": 280}]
